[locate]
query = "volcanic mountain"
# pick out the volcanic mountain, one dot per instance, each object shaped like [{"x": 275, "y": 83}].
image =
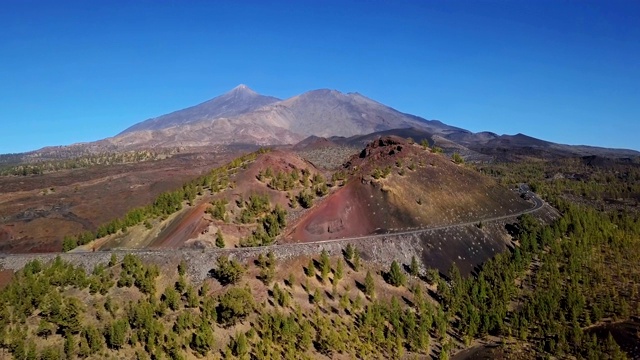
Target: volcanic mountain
[
  {"x": 238, "y": 101},
  {"x": 395, "y": 185},
  {"x": 391, "y": 185},
  {"x": 243, "y": 116}
]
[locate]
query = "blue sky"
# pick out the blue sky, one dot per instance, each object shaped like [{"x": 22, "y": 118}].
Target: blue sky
[{"x": 564, "y": 71}]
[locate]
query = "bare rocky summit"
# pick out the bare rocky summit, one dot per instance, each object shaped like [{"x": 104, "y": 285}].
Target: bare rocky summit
[
  {"x": 244, "y": 116},
  {"x": 239, "y": 100}
]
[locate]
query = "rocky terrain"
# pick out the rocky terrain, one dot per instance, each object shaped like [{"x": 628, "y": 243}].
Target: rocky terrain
[
  {"x": 466, "y": 244},
  {"x": 38, "y": 211},
  {"x": 394, "y": 183}
]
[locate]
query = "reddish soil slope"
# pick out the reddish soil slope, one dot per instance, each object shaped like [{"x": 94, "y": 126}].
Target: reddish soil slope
[
  {"x": 188, "y": 225},
  {"x": 193, "y": 223},
  {"x": 422, "y": 190}
]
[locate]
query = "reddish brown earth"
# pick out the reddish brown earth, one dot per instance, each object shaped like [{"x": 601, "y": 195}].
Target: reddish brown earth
[
  {"x": 346, "y": 213},
  {"x": 188, "y": 225},
  {"x": 194, "y": 227},
  {"x": 36, "y": 212},
  {"x": 437, "y": 193},
  {"x": 434, "y": 192},
  {"x": 314, "y": 142}
]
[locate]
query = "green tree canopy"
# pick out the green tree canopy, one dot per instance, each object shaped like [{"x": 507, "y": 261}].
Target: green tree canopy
[
  {"x": 227, "y": 271},
  {"x": 396, "y": 276}
]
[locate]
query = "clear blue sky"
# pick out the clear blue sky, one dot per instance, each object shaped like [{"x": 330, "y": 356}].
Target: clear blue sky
[{"x": 564, "y": 71}]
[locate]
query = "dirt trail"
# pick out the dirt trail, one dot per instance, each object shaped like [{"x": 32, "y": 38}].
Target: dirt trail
[{"x": 185, "y": 227}]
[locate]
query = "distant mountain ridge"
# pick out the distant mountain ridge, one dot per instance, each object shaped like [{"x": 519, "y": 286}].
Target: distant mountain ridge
[{"x": 242, "y": 116}]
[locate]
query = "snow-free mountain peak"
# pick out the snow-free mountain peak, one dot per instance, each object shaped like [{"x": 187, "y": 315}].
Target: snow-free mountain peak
[
  {"x": 242, "y": 116},
  {"x": 237, "y": 101}
]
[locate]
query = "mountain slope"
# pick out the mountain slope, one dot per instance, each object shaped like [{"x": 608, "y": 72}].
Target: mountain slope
[
  {"x": 239, "y": 100},
  {"x": 395, "y": 185},
  {"x": 242, "y": 116},
  {"x": 332, "y": 113}
]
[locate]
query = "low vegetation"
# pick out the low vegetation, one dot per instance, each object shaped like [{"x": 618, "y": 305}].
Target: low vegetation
[
  {"x": 565, "y": 276},
  {"x": 170, "y": 202},
  {"x": 89, "y": 160},
  {"x": 561, "y": 280}
]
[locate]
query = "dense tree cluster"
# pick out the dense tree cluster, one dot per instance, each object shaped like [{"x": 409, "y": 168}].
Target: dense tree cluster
[
  {"x": 305, "y": 198},
  {"x": 254, "y": 208},
  {"x": 312, "y": 186},
  {"x": 218, "y": 210},
  {"x": 228, "y": 271}
]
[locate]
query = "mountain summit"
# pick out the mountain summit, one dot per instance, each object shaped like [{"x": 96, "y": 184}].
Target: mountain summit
[
  {"x": 244, "y": 116},
  {"x": 239, "y": 100}
]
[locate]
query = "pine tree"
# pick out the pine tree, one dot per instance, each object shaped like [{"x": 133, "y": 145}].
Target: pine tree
[
  {"x": 235, "y": 305},
  {"x": 317, "y": 296},
  {"x": 171, "y": 298},
  {"x": 69, "y": 345},
  {"x": 240, "y": 345},
  {"x": 339, "y": 271},
  {"x": 356, "y": 261},
  {"x": 45, "y": 328},
  {"x": 348, "y": 252},
  {"x": 414, "y": 268},
  {"x": 182, "y": 267},
  {"x": 202, "y": 341},
  {"x": 71, "y": 318},
  {"x": 369, "y": 286},
  {"x": 181, "y": 284},
  {"x": 204, "y": 289},
  {"x": 95, "y": 340},
  {"x": 396, "y": 276},
  {"x": 116, "y": 333},
  {"x": 325, "y": 265},
  {"x": 311, "y": 269},
  {"x": 192, "y": 297},
  {"x": 114, "y": 260},
  {"x": 228, "y": 271},
  {"x": 219, "y": 239}
]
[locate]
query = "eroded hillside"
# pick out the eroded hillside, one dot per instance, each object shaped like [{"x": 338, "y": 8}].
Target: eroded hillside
[
  {"x": 392, "y": 185},
  {"x": 38, "y": 211},
  {"x": 395, "y": 185}
]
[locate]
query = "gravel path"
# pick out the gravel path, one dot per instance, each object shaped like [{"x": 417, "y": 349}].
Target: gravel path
[{"x": 380, "y": 248}]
